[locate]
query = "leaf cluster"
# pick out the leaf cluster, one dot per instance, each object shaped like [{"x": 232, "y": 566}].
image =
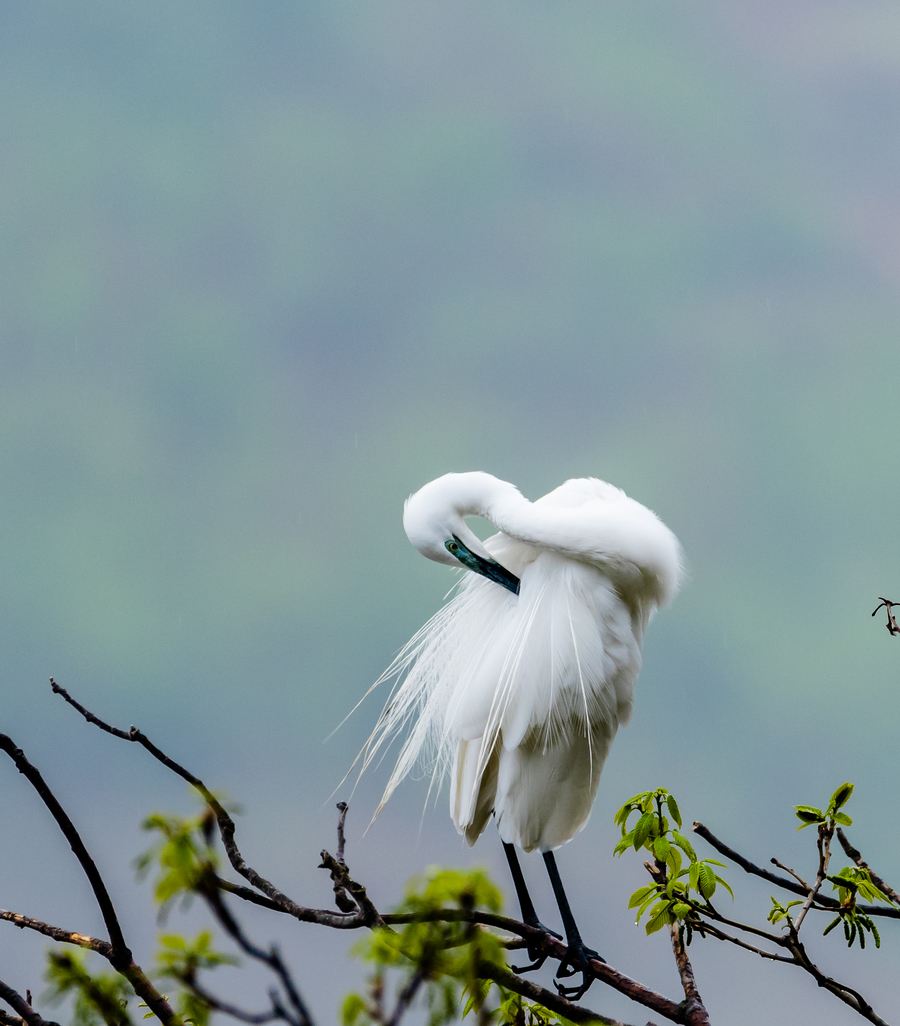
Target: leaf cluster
[
  {"x": 669, "y": 898},
  {"x": 809, "y": 815},
  {"x": 183, "y": 853},
  {"x": 97, "y": 998},
  {"x": 441, "y": 963}
]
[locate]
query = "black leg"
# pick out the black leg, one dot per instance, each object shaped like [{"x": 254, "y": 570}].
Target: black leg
[
  {"x": 529, "y": 916},
  {"x": 578, "y": 953}
]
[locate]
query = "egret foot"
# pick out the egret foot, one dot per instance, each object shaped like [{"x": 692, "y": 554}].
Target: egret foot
[
  {"x": 534, "y": 952},
  {"x": 576, "y": 962},
  {"x": 529, "y": 916}
]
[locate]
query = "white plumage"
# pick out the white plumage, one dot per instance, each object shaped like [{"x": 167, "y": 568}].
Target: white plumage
[{"x": 519, "y": 696}]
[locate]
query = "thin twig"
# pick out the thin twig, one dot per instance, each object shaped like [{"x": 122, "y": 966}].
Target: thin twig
[
  {"x": 102, "y": 947},
  {"x": 823, "y": 843},
  {"x": 341, "y": 898},
  {"x": 272, "y": 958},
  {"x": 707, "y": 928},
  {"x": 788, "y": 869}
]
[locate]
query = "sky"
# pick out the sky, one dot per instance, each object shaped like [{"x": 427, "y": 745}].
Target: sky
[{"x": 269, "y": 268}]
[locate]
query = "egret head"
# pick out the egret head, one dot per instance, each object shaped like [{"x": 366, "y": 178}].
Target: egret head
[{"x": 434, "y": 522}]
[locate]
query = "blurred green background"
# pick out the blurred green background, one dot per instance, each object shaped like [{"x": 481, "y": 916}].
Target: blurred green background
[{"x": 269, "y": 267}]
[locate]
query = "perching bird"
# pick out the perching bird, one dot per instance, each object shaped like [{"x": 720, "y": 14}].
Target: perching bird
[{"x": 518, "y": 685}]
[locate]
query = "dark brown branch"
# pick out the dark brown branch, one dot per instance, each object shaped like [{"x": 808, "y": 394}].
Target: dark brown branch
[
  {"x": 67, "y": 827},
  {"x": 225, "y": 823},
  {"x": 23, "y": 1007},
  {"x": 271, "y": 958},
  {"x": 823, "y": 901},
  {"x": 406, "y": 997},
  {"x": 216, "y": 1005},
  {"x": 119, "y": 957},
  {"x": 707, "y": 928},
  {"x": 855, "y": 856},
  {"x": 535, "y": 992},
  {"x": 892, "y": 625},
  {"x": 102, "y": 947},
  {"x": 344, "y": 883},
  {"x": 341, "y": 898},
  {"x": 841, "y": 991}
]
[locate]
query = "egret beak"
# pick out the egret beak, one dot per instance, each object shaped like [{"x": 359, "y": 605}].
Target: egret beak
[{"x": 488, "y": 568}]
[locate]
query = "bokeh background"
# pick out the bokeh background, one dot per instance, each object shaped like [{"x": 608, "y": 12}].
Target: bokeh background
[{"x": 266, "y": 268}]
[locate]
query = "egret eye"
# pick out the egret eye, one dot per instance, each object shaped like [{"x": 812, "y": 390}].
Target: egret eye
[{"x": 452, "y": 547}]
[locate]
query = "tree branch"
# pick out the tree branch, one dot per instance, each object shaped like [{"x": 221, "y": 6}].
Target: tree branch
[
  {"x": 23, "y": 1007},
  {"x": 225, "y": 823},
  {"x": 695, "y": 1012},
  {"x": 102, "y": 947},
  {"x": 535, "y": 992},
  {"x": 855, "y": 856},
  {"x": 119, "y": 956},
  {"x": 823, "y": 901}
]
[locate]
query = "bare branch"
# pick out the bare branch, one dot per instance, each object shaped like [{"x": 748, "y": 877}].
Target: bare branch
[
  {"x": 225, "y": 823},
  {"x": 892, "y": 625},
  {"x": 271, "y": 958},
  {"x": 344, "y": 883},
  {"x": 823, "y": 843},
  {"x": 704, "y": 927},
  {"x": 102, "y": 947},
  {"x": 119, "y": 956},
  {"x": 341, "y": 898},
  {"x": 67, "y": 827},
  {"x": 22, "y": 1006},
  {"x": 796, "y": 876}
]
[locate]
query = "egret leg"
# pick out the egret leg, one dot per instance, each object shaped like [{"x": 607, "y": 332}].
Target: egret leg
[
  {"x": 529, "y": 916},
  {"x": 578, "y": 954}
]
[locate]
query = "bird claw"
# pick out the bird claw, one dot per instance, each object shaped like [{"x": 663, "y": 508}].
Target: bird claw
[
  {"x": 577, "y": 961},
  {"x": 538, "y": 958},
  {"x": 575, "y": 993}
]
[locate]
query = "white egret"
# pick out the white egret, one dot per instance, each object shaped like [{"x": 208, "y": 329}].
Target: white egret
[{"x": 518, "y": 685}]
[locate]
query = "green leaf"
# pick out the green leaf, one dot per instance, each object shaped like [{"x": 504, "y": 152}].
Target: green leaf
[
  {"x": 661, "y": 848},
  {"x": 725, "y": 885},
  {"x": 625, "y": 843},
  {"x": 684, "y": 844},
  {"x": 840, "y": 797},
  {"x": 640, "y": 895},
  {"x": 352, "y": 1010},
  {"x": 843, "y": 819},
  {"x": 808, "y": 815},
  {"x": 673, "y": 809},
  {"x": 659, "y": 917},
  {"x": 706, "y": 883},
  {"x": 643, "y": 829}
]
